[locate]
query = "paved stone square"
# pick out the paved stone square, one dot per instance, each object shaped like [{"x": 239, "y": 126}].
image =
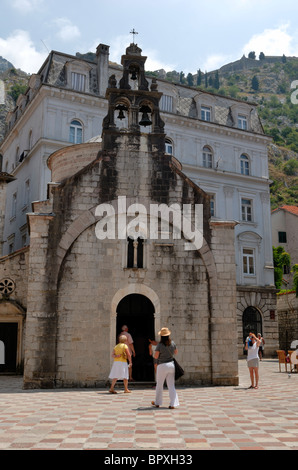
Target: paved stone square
[{"x": 209, "y": 418}]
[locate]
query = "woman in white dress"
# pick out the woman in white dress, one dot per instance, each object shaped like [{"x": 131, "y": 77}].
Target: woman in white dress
[{"x": 119, "y": 369}]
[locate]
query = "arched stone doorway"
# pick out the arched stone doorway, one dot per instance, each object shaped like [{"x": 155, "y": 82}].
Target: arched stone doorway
[
  {"x": 251, "y": 322},
  {"x": 11, "y": 336},
  {"x": 137, "y": 312}
]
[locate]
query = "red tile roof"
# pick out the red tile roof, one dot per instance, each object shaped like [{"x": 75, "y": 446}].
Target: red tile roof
[{"x": 291, "y": 209}]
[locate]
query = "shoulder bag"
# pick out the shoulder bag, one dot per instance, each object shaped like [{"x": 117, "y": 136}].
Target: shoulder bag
[{"x": 178, "y": 370}]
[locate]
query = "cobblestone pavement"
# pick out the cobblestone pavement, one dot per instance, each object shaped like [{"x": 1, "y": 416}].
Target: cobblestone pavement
[{"x": 212, "y": 418}]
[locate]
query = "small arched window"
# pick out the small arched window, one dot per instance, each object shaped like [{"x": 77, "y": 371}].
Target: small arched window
[
  {"x": 76, "y": 132},
  {"x": 135, "y": 253},
  {"x": 169, "y": 148},
  {"x": 244, "y": 165},
  {"x": 207, "y": 157}
]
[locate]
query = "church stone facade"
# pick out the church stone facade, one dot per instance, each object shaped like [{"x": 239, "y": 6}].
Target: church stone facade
[{"x": 78, "y": 290}]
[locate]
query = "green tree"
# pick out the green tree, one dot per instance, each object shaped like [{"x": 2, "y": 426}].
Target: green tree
[
  {"x": 255, "y": 83},
  {"x": 199, "y": 77},
  {"x": 216, "y": 80},
  {"x": 291, "y": 167},
  {"x": 262, "y": 56},
  {"x": 252, "y": 55},
  {"x": 280, "y": 259},
  {"x": 189, "y": 79},
  {"x": 17, "y": 90}
]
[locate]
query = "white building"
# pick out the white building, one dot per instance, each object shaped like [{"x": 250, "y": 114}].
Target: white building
[
  {"x": 219, "y": 141},
  {"x": 285, "y": 233}
]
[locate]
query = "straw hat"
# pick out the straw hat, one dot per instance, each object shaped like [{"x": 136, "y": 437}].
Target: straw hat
[{"x": 164, "y": 332}]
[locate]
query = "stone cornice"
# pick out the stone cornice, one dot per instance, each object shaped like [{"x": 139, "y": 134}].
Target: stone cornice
[
  {"x": 214, "y": 128},
  {"x": 219, "y": 173}
]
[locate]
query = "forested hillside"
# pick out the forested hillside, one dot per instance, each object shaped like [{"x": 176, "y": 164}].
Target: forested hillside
[{"x": 269, "y": 82}]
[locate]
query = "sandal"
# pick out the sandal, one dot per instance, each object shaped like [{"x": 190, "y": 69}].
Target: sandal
[
  {"x": 153, "y": 404},
  {"x": 113, "y": 391},
  {"x": 171, "y": 407}
]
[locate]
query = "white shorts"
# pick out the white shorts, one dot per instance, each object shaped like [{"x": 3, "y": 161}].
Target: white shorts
[{"x": 253, "y": 362}]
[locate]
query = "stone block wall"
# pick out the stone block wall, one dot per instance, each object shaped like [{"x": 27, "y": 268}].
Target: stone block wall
[
  {"x": 15, "y": 267},
  {"x": 264, "y": 300},
  {"x": 287, "y": 309},
  {"x": 76, "y": 281}
]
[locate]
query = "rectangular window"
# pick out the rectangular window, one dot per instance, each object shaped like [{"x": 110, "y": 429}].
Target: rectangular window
[
  {"x": 212, "y": 205},
  {"x": 248, "y": 261},
  {"x": 169, "y": 148},
  {"x": 244, "y": 165},
  {"x": 166, "y": 103},
  {"x": 207, "y": 160},
  {"x": 76, "y": 133},
  {"x": 78, "y": 81},
  {"x": 205, "y": 113},
  {"x": 282, "y": 237},
  {"x": 242, "y": 122},
  {"x": 246, "y": 210},
  {"x": 286, "y": 269},
  {"x": 24, "y": 240},
  {"x": 14, "y": 206},
  {"x": 27, "y": 193}
]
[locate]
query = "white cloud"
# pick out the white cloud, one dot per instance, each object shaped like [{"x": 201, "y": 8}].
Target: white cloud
[
  {"x": 119, "y": 46},
  {"x": 215, "y": 61},
  {"x": 19, "y": 49},
  {"x": 272, "y": 42},
  {"x": 26, "y": 6},
  {"x": 154, "y": 63},
  {"x": 275, "y": 42},
  {"x": 67, "y": 31}
]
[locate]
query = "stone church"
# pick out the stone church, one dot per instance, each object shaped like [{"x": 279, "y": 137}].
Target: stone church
[{"x": 73, "y": 288}]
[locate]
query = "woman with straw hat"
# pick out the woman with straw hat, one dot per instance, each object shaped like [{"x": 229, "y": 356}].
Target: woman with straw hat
[{"x": 164, "y": 354}]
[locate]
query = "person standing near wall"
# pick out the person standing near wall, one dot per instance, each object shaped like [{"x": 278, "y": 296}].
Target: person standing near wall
[
  {"x": 164, "y": 353},
  {"x": 120, "y": 368},
  {"x": 261, "y": 348},
  {"x": 252, "y": 347},
  {"x": 129, "y": 342}
]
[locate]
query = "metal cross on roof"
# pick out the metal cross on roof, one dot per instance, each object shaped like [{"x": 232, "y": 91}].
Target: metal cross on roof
[{"x": 133, "y": 32}]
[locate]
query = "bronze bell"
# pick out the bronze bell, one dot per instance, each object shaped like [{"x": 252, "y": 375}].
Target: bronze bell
[
  {"x": 121, "y": 114},
  {"x": 134, "y": 75},
  {"x": 145, "y": 121}
]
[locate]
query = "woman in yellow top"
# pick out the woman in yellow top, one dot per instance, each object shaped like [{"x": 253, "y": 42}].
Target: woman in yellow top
[{"x": 119, "y": 369}]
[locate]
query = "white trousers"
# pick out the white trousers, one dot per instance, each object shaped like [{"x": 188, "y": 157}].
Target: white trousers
[{"x": 166, "y": 372}]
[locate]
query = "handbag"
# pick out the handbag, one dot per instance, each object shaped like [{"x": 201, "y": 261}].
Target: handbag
[{"x": 178, "y": 370}]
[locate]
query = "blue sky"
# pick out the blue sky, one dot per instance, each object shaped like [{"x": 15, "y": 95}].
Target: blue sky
[{"x": 184, "y": 35}]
